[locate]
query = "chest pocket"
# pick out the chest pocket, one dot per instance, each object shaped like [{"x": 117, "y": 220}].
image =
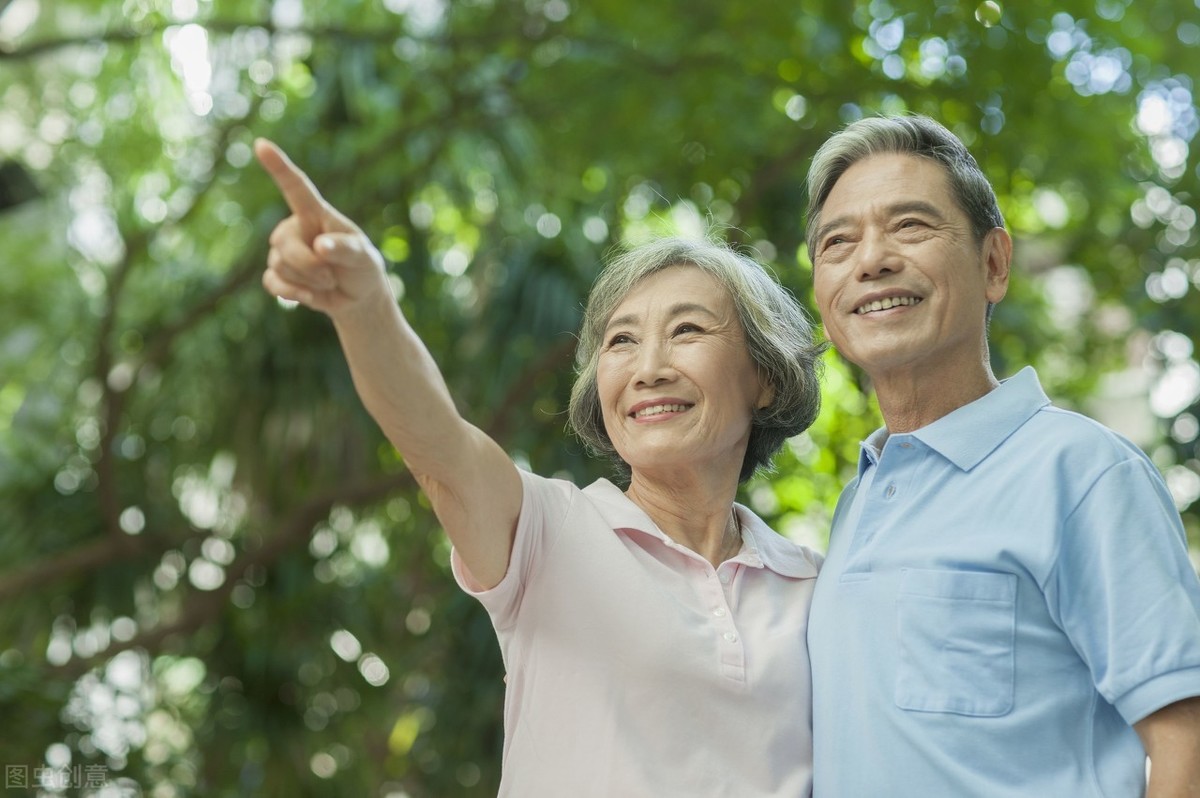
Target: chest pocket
[{"x": 957, "y": 631}]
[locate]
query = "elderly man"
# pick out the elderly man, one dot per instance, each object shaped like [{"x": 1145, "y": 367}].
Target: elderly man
[{"x": 1007, "y": 607}]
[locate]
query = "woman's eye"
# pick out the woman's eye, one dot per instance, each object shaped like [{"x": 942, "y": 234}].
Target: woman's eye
[
  {"x": 687, "y": 328},
  {"x": 619, "y": 338}
]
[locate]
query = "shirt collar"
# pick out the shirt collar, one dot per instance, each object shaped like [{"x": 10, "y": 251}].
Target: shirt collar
[
  {"x": 972, "y": 432},
  {"x": 870, "y": 450},
  {"x": 761, "y": 545},
  {"x": 775, "y": 551}
]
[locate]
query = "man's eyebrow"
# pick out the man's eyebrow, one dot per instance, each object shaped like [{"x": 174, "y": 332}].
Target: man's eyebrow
[
  {"x": 832, "y": 224},
  {"x": 915, "y": 206},
  {"x": 677, "y": 309},
  {"x": 895, "y": 209}
]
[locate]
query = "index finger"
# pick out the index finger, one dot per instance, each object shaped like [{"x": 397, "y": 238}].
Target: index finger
[{"x": 298, "y": 191}]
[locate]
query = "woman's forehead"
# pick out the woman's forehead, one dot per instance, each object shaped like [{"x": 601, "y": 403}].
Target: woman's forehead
[{"x": 673, "y": 287}]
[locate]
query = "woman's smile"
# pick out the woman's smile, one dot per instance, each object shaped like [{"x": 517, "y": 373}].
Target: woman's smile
[{"x": 659, "y": 410}]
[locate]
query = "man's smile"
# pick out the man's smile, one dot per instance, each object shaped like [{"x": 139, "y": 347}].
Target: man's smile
[{"x": 886, "y": 303}]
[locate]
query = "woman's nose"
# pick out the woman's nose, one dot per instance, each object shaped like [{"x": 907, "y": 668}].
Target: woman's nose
[{"x": 653, "y": 363}]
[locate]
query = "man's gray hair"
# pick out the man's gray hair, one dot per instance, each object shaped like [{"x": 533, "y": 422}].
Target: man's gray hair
[
  {"x": 904, "y": 135},
  {"x": 779, "y": 338}
]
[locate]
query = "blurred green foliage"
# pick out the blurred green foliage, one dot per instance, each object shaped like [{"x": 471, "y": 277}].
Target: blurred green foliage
[{"x": 217, "y": 578}]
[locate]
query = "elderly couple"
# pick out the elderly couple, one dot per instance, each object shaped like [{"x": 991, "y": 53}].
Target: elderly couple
[{"x": 1007, "y": 607}]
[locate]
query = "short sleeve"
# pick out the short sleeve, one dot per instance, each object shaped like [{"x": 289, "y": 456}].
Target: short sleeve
[
  {"x": 544, "y": 505},
  {"x": 1127, "y": 594}
]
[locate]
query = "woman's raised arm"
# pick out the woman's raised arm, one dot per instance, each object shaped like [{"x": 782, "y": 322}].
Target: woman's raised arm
[{"x": 321, "y": 259}]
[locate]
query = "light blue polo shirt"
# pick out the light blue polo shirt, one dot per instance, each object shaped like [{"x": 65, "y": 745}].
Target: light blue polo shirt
[{"x": 1006, "y": 591}]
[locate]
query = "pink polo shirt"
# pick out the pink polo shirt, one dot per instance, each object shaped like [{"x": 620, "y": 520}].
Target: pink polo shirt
[{"x": 636, "y": 669}]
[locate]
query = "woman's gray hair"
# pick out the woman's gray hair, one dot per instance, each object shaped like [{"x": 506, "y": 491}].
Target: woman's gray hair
[
  {"x": 779, "y": 337},
  {"x": 904, "y": 135}
]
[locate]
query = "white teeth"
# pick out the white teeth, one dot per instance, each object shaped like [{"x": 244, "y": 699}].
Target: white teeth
[
  {"x": 885, "y": 304},
  {"x": 655, "y": 410}
]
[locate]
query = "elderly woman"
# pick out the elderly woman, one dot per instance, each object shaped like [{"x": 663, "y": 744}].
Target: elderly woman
[{"x": 654, "y": 636}]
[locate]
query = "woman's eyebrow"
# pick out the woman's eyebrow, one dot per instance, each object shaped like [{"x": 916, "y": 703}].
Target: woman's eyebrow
[
  {"x": 680, "y": 308},
  {"x": 677, "y": 309}
]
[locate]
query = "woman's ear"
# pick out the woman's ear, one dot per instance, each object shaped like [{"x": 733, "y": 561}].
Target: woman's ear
[{"x": 766, "y": 394}]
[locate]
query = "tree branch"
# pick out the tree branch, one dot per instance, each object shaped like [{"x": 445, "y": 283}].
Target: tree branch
[
  {"x": 128, "y": 35},
  {"x": 201, "y": 607},
  {"x": 555, "y": 359},
  {"x": 95, "y": 553}
]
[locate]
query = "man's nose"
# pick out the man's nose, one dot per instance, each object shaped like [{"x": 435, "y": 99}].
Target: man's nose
[{"x": 877, "y": 256}]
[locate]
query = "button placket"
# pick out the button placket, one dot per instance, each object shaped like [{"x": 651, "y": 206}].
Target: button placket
[
  {"x": 894, "y": 470},
  {"x": 886, "y": 486},
  {"x": 731, "y": 652}
]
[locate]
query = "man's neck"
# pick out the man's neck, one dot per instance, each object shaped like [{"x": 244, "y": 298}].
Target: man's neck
[{"x": 911, "y": 401}]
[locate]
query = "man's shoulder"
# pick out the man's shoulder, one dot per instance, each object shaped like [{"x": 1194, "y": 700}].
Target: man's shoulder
[
  {"x": 1070, "y": 429},
  {"x": 1071, "y": 443}
]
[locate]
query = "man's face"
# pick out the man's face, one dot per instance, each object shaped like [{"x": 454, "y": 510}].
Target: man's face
[{"x": 900, "y": 282}]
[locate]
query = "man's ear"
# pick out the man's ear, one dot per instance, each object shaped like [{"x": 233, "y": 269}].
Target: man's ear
[{"x": 997, "y": 259}]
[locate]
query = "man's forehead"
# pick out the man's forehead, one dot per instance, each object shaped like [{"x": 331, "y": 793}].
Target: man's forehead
[
  {"x": 889, "y": 182},
  {"x": 913, "y": 173}
]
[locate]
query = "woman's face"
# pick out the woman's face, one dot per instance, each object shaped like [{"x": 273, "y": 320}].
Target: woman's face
[{"x": 676, "y": 383}]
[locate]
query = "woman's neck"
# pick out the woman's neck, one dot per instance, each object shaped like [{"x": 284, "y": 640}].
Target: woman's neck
[{"x": 694, "y": 512}]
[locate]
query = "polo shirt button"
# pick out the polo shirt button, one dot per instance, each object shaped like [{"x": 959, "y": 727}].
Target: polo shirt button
[
  {"x": 890, "y": 492},
  {"x": 719, "y": 612},
  {"x": 906, "y": 446},
  {"x": 730, "y": 636}
]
